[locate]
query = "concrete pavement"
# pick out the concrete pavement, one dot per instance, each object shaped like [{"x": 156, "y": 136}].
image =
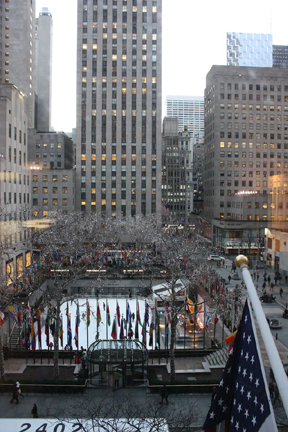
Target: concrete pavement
[{"x": 93, "y": 402}]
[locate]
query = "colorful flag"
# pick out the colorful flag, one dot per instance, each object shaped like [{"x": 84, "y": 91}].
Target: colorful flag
[
  {"x": 146, "y": 316},
  {"x": 19, "y": 314},
  {"x": 138, "y": 314},
  {"x": 38, "y": 318},
  {"x": 69, "y": 331},
  {"x": 47, "y": 332},
  {"x": 33, "y": 336},
  {"x": 242, "y": 401},
  {"x": 130, "y": 327},
  {"x": 11, "y": 313},
  {"x": 128, "y": 312},
  {"x": 118, "y": 314},
  {"x": 122, "y": 329},
  {"x": 28, "y": 313},
  {"x": 230, "y": 340},
  {"x": 114, "y": 330},
  {"x": 23, "y": 335},
  {"x": 168, "y": 313},
  {"x": 1, "y": 318},
  {"x": 157, "y": 328},
  {"x": 98, "y": 314},
  {"x": 108, "y": 314},
  {"x": 136, "y": 326},
  {"x": 77, "y": 322},
  {"x": 61, "y": 330},
  {"x": 88, "y": 314},
  {"x": 151, "y": 334}
]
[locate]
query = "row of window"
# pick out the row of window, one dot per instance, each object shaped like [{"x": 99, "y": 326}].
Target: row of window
[
  {"x": 256, "y": 205},
  {"x": 54, "y": 202},
  {"x": 45, "y": 155},
  {"x": 257, "y": 97},
  {"x": 251, "y": 155},
  {"x": 257, "y": 164},
  {"x": 22, "y": 198},
  {"x": 255, "y": 217},
  {"x": 15, "y": 175},
  {"x": 252, "y": 145},
  {"x": 54, "y": 190},
  {"x": 257, "y": 87},
  {"x": 250, "y": 116},
  {"x": 15, "y": 156},
  {"x": 45, "y": 178},
  {"x": 15, "y": 134},
  {"x": 51, "y": 145},
  {"x": 251, "y": 107},
  {"x": 251, "y": 135}
]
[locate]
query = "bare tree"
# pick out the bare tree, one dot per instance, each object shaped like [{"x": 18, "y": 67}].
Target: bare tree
[
  {"x": 133, "y": 414},
  {"x": 68, "y": 248}
]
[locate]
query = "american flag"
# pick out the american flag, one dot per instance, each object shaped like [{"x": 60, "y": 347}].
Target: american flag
[{"x": 242, "y": 401}]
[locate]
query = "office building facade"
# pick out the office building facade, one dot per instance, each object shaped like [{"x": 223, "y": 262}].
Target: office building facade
[
  {"x": 246, "y": 143},
  {"x": 280, "y": 56},
  {"x": 43, "y": 58},
  {"x": 18, "y": 50},
  {"x": 249, "y": 49},
  {"x": 189, "y": 110},
  {"x": 51, "y": 162},
  {"x": 118, "y": 144},
  {"x": 15, "y": 197},
  {"x": 177, "y": 191}
]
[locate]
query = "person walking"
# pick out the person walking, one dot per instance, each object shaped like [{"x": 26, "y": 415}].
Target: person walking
[
  {"x": 229, "y": 278},
  {"x": 257, "y": 277},
  {"x": 34, "y": 411},
  {"x": 18, "y": 385},
  {"x": 164, "y": 394},
  {"x": 15, "y": 394},
  {"x": 269, "y": 279},
  {"x": 263, "y": 286},
  {"x": 281, "y": 291},
  {"x": 271, "y": 287}
]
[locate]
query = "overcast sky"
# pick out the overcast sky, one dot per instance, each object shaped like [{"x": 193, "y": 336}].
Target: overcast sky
[{"x": 194, "y": 38}]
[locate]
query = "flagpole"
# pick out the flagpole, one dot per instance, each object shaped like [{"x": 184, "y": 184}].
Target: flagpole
[
  {"x": 87, "y": 323},
  {"x": 97, "y": 329},
  {"x": 106, "y": 322},
  {"x": 271, "y": 349}
]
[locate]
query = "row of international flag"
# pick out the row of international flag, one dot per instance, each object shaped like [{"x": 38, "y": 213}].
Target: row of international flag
[
  {"x": 31, "y": 322},
  {"x": 124, "y": 326}
]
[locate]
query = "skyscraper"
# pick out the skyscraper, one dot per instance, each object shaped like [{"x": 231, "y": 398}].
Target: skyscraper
[
  {"x": 18, "y": 48},
  {"x": 118, "y": 145},
  {"x": 246, "y": 143},
  {"x": 280, "y": 56},
  {"x": 43, "y": 41},
  {"x": 189, "y": 110},
  {"x": 249, "y": 49}
]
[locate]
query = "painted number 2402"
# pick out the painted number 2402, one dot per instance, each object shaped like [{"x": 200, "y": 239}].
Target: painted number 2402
[{"x": 58, "y": 427}]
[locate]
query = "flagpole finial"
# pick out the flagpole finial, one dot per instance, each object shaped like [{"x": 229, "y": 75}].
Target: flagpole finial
[{"x": 241, "y": 260}]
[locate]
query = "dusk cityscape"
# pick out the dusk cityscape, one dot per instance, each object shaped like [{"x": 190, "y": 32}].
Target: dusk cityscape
[{"x": 143, "y": 233}]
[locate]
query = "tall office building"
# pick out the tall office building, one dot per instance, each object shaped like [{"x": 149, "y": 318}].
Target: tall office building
[
  {"x": 249, "y": 49},
  {"x": 280, "y": 56},
  {"x": 43, "y": 43},
  {"x": 18, "y": 47},
  {"x": 15, "y": 196},
  {"x": 189, "y": 110},
  {"x": 246, "y": 143},
  {"x": 118, "y": 148},
  {"x": 177, "y": 193}
]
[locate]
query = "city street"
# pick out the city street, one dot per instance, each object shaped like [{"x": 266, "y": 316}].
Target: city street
[{"x": 272, "y": 310}]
